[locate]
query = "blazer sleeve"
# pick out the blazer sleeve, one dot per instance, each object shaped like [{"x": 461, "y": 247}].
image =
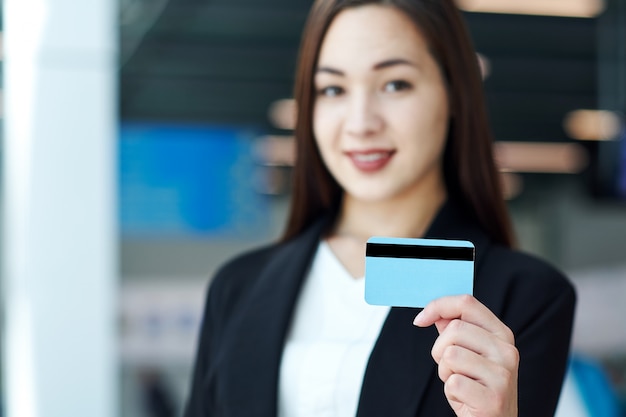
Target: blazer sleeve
[
  {"x": 222, "y": 293},
  {"x": 538, "y": 306},
  {"x": 225, "y": 291},
  {"x": 195, "y": 405},
  {"x": 544, "y": 350}
]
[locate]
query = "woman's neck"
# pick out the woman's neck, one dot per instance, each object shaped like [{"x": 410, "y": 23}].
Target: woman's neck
[{"x": 405, "y": 216}]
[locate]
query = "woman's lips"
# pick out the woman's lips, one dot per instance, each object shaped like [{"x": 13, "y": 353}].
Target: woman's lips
[{"x": 371, "y": 160}]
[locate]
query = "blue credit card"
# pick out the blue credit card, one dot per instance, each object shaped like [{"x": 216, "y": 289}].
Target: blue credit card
[{"x": 402, "y": 272}]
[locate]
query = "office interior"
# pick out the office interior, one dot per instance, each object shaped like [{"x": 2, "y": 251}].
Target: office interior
[{"x": 188, "y": 103}]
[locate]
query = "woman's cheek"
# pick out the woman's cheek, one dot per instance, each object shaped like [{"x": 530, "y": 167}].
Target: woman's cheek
[{"x": 327, "y": 122}]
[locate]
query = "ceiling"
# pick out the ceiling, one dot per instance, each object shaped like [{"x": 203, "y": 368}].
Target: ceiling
[{"x": 225, "y": 61}]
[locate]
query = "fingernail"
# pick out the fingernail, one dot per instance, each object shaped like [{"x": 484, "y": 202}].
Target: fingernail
[{"x": 418, "y": 318}]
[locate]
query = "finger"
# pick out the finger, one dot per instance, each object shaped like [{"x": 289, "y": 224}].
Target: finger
[
  {"x": 458, "y": 360},
  {"x": 441, "y": 325},
  {"x": 466, "y": 308},
  {"x": 476, "y": 339},
  {"x": 463, "y": 391}
]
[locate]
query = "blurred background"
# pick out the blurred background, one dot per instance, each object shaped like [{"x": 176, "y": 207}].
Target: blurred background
[{"x": 190, "y": 103}]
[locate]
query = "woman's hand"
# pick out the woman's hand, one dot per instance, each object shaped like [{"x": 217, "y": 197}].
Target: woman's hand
[{"x": 477, "y": 357}]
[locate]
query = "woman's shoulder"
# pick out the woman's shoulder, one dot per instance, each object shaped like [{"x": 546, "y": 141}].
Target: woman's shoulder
[
  {"x": 515, "y": 281},
  {"x": 516, "y": 264},
  {"x": 236, "y": 272},
  {"x": 233, "y": 280},
  {"x": 238, "y": 275}
]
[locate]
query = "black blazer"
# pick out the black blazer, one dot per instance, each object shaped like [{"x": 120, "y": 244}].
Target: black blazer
[{"x": 251, "y": 300}]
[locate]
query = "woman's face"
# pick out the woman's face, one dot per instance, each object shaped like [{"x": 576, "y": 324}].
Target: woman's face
[{"x": 381, "y": 108}]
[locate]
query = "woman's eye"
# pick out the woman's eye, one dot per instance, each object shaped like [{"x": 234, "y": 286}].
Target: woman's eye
[
  {"x": 397, "y": 85},
  {"x": 332, "y": 91}
]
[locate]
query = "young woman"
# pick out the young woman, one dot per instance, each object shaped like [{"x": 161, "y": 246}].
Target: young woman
[{"x": 393, "y": 140}]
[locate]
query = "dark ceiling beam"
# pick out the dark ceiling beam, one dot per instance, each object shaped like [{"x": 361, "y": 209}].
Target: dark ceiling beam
[
  {"x": 227, "y": 60},
  {"x": 533, "y": 36}
]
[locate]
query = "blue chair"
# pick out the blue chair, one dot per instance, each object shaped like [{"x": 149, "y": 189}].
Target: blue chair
[{"x": 587, "y": 391}]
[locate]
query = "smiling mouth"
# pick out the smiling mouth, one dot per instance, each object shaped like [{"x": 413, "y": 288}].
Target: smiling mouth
[
  {"x": 370, "y": 157},
  {"x": 371, "y": 160}
]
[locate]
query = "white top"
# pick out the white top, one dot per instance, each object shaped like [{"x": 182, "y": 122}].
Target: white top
[{"x": 329, "y": 344}]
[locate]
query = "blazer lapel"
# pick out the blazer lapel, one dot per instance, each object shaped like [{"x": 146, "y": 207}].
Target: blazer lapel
[
  {"x": 252, "y": 356},
  {"x": 399, "y": 369},
  {"x": 400, "y": 366}
]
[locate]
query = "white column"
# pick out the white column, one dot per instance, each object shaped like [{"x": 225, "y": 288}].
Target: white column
[{"x": 59, "y": 276}]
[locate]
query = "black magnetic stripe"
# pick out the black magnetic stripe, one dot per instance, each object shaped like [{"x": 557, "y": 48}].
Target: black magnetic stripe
[{"x": 387, "y": 250}]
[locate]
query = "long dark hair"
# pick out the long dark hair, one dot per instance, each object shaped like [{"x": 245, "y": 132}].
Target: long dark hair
[{"x": 470, "y": 173}]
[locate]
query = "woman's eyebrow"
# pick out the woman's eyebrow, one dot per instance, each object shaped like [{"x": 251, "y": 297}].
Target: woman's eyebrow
[
  {"x": 393, "y": 62},
  {"x": 380, "y": 65},
  {"x": 329, "y": 70}
]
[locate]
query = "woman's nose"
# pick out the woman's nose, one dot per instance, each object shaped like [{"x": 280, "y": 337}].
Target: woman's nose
[{"x": 363, "y": 117}]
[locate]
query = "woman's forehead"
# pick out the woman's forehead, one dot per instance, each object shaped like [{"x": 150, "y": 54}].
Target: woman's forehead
[{"x": 361, "y": 37}]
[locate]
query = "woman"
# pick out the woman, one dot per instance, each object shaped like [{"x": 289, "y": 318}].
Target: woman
[{"x": 392, "y": 140}]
